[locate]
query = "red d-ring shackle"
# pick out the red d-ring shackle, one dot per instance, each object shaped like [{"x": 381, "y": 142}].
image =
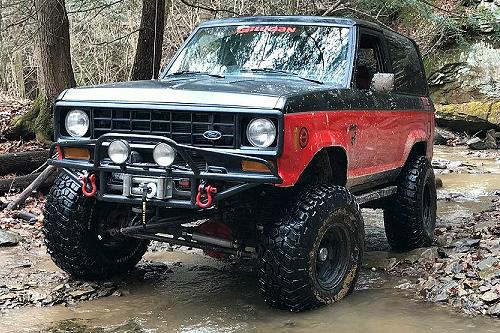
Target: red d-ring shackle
[
  {"x": 93, "y": 186},
  {"x": 209, "y": 190}
]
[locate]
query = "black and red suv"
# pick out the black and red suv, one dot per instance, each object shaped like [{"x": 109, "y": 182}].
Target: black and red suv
[{"x": 261, "y": 139}]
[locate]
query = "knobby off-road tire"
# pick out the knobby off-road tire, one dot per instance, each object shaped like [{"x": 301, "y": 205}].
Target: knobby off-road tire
[
  {"x": 292, "y": 274},
  {"x": 410, "y": 218},
  {"x": 73, "y": 234}
]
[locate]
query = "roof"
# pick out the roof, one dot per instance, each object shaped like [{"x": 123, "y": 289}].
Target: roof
[{"x": 324, "y": 20}]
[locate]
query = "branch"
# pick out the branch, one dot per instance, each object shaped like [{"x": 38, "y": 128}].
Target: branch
[
  {"x": 213, "y": 10},
  {"x": 101, "y": 7},
  {"x": 333, "y": 8},
  {"x": 442, "y": 9},
  {"x": 116, "y": 39}
]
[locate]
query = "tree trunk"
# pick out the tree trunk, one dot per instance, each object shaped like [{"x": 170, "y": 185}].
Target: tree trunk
[
  {"x": 3, "y": 76},
  {"x": 29, "y": 183},
  {"x": 149, "y": 49},
  {"x": 22, "y": 163},
  {"x": 55, "y": 72}
]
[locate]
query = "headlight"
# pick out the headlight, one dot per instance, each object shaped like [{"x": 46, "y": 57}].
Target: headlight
[
  {"x": 77, "y": 123},
  {"x": 118, "y": 151},
  {"x": 164, "y": 154},
  {"x": 261, "y": 132}
]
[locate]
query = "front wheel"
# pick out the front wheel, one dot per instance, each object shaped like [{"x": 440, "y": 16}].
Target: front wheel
[
  {"x": 81, "y": 234},
  {"x": 312, "y": 255},
  {"x": 410, "y": 218}
]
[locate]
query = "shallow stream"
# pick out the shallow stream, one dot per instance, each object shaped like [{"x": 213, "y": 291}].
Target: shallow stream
[{"x": 199, "y": 294}]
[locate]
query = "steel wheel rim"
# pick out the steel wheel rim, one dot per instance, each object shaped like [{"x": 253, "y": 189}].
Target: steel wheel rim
[{"x": 331, "y": 271}]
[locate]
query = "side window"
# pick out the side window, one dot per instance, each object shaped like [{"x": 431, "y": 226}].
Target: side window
[
  {"x": 368, "y": 60},
  {"x": 409, "y": 76}
]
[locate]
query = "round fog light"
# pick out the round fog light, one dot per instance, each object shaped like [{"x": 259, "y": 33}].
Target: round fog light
[
  {"x": 164, "y": 154},
  {"x": 118, "y": 151}
]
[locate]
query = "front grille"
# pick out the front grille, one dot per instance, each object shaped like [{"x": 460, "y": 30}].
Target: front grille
[{"x": 182, "y": 127}]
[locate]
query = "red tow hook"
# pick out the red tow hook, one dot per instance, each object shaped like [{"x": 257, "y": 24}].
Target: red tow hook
[
  {"x": 208, "y": 191},
  {"x": 93, "y": 186}
]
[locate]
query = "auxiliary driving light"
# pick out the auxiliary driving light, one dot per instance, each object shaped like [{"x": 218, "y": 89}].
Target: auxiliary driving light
[
  {"x": 164, "y": 154},
  {"x": 119, "y": 151}
]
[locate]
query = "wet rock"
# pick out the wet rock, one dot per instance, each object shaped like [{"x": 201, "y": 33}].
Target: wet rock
[
  {"x": 9, "y": 238},
  {"x": 464, "y": 245},
  {"x": 489, "y": 142},
  {"x": 489, "y": 273},
  {"x": 439, "y": 182},
  {"x": 469, "y": 117},
  {"x": 487, "y": 263},
  {"x": 422, "y": 255},
  {"x": 443, "y": 136},
  {"x": 404, "y": 286},
  {"x": 490, "y": 296},
  {"x": 494, "y": 310},
  {"x": 379, "y": 260}
]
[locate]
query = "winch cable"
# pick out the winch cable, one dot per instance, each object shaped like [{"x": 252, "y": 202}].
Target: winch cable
[{"x": 145, "y": 190}]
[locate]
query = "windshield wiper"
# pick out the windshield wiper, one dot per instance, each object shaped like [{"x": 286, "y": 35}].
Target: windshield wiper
[
  {"x": 196, "y": 72},
  {"x": 280, "y": 71}
]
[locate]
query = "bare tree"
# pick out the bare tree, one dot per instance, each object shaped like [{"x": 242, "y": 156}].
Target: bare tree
[
  {"x": 55, "y": 72},
  {"x": 3, "y": 81},
  {"x": 150, "y": 41}
]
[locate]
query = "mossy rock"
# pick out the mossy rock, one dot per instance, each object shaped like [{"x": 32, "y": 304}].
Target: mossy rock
[{"x": 469, "y": 117}]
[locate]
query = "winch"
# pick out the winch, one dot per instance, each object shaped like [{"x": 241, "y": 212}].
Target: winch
[{"x": 158, "y": 187}]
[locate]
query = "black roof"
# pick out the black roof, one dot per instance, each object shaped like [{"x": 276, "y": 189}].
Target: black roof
[{"x": 326, "y": 20}]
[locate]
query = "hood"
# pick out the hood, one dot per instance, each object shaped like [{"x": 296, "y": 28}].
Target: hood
[{"x": 253, "y": 92}]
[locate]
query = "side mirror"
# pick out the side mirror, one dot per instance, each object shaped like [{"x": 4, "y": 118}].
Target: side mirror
[{"x": 382, "y": 82}]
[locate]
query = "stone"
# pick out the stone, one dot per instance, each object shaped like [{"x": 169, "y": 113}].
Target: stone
[
  {"x": 441, "y": 297},
  {"x": 9, "y": 238},
  {"x": 406, "y": 285},
  {"x": 487, "y": 263},
  {"x": 469, "y": 117},
  {"x": 490, "y": 296},
  {"x": 422, "y": 255},
  {"x": 494, "y": 310},
  {"x": 489, "y": 273},
  {"x": 489, "y": 142},
  {"x": 379, "y": 260},
  {"x": 484, "y": 288},
  {"x": 443, "y": 136}
]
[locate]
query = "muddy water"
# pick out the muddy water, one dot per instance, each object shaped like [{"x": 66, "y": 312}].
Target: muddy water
[{"x": 202, "y": 295}]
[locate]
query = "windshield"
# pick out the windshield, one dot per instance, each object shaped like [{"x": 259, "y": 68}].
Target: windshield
[{"x": 316, "y": 53}]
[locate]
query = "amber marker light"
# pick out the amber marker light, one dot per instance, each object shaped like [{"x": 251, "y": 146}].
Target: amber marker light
[
  {"x": 303, "y": 137},
  {"x": 76, "y": 153},
  {"x": 254, "y": 166}
]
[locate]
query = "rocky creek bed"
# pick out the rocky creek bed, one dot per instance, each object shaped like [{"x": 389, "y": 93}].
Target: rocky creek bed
[{"x": 461, "y": 270}]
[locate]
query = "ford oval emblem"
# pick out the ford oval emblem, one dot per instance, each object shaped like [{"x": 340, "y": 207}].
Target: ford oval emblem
[{"x": 212, "y": 135}]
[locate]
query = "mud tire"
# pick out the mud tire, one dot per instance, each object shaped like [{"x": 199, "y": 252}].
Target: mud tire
[
  {"x": 289, "y": 265},
  {"x": 410, "y": 218},
  {"x": 71, "y": 236}
]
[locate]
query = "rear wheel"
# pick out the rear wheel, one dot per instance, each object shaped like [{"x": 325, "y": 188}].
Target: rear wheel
[
  {"x": 410, "y": 218},
  {"x": 312, "y": 255},
  {"x": 81, "y": 234}
]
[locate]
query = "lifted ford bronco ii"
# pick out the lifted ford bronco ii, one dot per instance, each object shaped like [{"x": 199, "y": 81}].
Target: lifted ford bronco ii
[{"x": 260, "y": 140}]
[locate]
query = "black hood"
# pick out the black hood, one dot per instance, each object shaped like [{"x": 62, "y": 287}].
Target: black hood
[{"x": 253, "y": 91}]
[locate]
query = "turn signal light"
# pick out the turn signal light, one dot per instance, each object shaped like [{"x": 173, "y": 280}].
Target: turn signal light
[
  {"x": 254, "y": 166},
  {"x": 76, "y": 153}
]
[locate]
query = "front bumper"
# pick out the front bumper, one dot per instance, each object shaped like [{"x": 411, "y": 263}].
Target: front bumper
[{"x": 222, "y": 169}]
